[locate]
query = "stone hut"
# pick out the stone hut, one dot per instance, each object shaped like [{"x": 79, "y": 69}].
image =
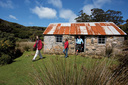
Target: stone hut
[{"x": 96, "y": 36}]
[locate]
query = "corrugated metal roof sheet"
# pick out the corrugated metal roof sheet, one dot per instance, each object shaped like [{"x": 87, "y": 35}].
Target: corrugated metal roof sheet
[{"x": 87, "y": 28}]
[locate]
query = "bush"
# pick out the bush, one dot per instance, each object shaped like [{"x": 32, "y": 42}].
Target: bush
[
  {"x": 18, "y": 53},
  {"x": 5, "y": 59},
  {"x": 7, "y": 47}
]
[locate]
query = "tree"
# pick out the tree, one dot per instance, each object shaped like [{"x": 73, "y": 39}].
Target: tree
[
  {"x": 127, "y": 21},
  {"x": 98, "y": 15},
  {"x": 114, "y": 16},
  {"x": 124, "y": 27},
  {"x": 83, "y": 17}
]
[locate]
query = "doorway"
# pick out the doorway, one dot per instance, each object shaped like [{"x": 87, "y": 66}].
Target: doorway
[{"x": 84, "y": 39}]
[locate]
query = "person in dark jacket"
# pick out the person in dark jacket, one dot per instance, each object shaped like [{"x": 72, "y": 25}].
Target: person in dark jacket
[
  {"x": 66, "y": 48},
  {"x": 38, "y": 47}
]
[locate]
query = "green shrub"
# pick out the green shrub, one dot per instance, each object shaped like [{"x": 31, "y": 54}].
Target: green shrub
[
  {"x": 7, "y": 47},
  {"x": 17, "y": 53},
  {"x": 5, "y": 59}
]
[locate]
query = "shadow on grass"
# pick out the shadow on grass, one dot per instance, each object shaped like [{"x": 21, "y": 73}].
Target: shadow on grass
[{"x": 39, "y": 59}]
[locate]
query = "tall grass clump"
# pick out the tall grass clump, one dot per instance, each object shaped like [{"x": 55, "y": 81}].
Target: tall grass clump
[
  {"x": 25, "y": 46},
  {"x": 125, "y": 42},
  {"x": 120, "y": 72},
  {"x": 65, "y": 72},
  {"x": 108, "y": 51}
]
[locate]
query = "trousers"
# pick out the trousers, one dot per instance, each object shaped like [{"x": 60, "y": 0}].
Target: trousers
[
  {"x": 66, "y": 53},
  {"x": 37, "y": 53}
]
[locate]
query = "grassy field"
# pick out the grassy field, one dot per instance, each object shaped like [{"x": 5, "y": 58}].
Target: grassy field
[{"x": 21, "y": 71}]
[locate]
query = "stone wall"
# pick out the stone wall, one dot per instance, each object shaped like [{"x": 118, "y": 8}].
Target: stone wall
[
  {"x": 51, "y": 46},
  {"x": 116, "y": 42},
  {"x": 91, "y": 44}
]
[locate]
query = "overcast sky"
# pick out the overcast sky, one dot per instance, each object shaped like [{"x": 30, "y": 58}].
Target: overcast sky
[{"x": 43, "y": 12}]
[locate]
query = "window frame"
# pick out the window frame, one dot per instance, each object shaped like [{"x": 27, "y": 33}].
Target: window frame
[
  {"x": 101, "y": 41},
  {"x": 59, "y": 38}
]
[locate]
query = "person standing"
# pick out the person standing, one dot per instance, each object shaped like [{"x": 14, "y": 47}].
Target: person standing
[
  {"x": 79, "y": 44},
  {"x": 38, "y": 47},
  {"x": 65, "y": 51}
]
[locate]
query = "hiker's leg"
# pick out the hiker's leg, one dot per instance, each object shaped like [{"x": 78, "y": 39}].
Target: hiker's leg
[
  {"x": 37, "y": 51},
  {"x": 40, "y": 54},
  {"x": 76, "y": 49},
  {"x": 66, "y": 52},
  {"x": 80, "y": 48}
]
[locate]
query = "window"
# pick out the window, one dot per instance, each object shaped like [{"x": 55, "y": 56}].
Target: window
[
  {"x": 101, "y": 39},
  {"x": 59, "y": 38}
]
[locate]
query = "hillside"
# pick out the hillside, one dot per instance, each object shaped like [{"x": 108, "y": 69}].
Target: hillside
[{"x": 20, "y": 31}]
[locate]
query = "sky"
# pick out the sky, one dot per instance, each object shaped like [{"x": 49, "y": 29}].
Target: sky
[{"x": 43, "y": 12}]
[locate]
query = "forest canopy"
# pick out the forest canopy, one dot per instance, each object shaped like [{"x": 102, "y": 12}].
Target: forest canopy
[{"x": 99, "y": 15}]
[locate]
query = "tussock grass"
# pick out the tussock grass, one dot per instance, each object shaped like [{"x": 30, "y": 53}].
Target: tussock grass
[
  {"x": 65, "y": 72},
  {"x": 25, "y": 46},
  {"x": 108, "y": 51}
]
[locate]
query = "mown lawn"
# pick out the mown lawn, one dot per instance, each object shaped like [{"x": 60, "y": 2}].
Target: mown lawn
[{"x": 19, "y": 72}]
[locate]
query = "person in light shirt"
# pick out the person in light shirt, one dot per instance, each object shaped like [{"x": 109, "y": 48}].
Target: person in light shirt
[{"x": 79, "y": 44}]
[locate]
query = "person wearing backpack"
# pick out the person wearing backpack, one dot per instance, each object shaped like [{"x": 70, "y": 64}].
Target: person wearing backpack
[{"x": 38, "y": 46}]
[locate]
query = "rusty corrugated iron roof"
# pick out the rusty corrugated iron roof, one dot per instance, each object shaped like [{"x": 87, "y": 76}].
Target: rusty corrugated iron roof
[{"x": 87, "y": 28}]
